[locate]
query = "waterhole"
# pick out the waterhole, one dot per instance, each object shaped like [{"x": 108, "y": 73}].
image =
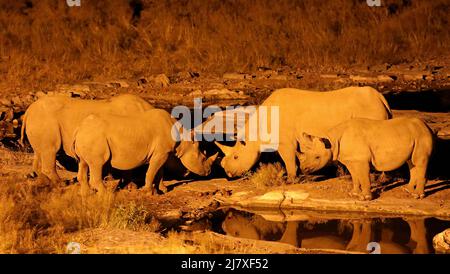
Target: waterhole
[{"x": 393, "y": 235}]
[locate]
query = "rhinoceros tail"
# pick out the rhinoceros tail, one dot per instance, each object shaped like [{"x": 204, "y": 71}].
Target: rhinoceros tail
[
  {"x": 386, "y": 105},
  {"x": 22, "y": 130}
]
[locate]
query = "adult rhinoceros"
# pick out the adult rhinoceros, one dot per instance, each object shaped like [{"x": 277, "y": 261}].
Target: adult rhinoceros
[
  {"x": 304, "y": 111},
  {"x": 49, "y": 124},
  {"x": 128, "y": 142}
]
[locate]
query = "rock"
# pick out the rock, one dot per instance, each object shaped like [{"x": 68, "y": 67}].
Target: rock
[
  {"x": 16, "y": 100},
  {"x": 39, "y": 94},
  {"x": 6, "y": 114},
  {"x": 428, "y": 77},
  {"x": 237, "y": 76},
  {"x": 413, "y": 76},
  {"x": 184, "y": 76},
  {"x": 171, "y": 215},
  {"x": 292, "y": 197},
  {"x": 142, "y": 81},
  {"x": 266, "y": 74},
  {"x": 273, "y": 197},
  {"x": 441, "y": 242},
  {"x": 161, "y": 80},
  {"x": 119, "y": 84},
  {"x": 5, "y": 102},
  {"x": 196, "y": 93},
  {"x": 444, "y": 132},
  {"x": 28, "y": 99},
  {"x": 329, "y": 76},
  {"x": 363, "y": 79},
  {"x": 218, "y": 93},
  {"x": 77, "y": 94},
  {"x": 73, "y": 88},
  {"x": 380, "y": 68},
  {"x": 6, "y": 130},
  {"x": 386, "y": 78}
]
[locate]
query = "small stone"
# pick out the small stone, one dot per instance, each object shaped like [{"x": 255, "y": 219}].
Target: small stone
[
  {"x": 7, "y": 114},
  {"x": 39, "y": 94},
  {"x": 329, "y": 76},
  {"x": 142, "y": 81},
  {"x": 174, "y": 214},
  {"x": 385, "y": 78},
  {"x": 414, "y": 76},
  {"x": 16, "y": 100},
  {"x": 119, "y": 84},
  {"x": 363, "y": 79},
  {"x": 236, "y": 76},
  {"x": 5, "y": 102},
  {"x": 161, "y": 80}
]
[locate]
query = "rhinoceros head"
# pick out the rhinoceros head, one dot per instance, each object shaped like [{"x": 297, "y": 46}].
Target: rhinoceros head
[
  {"x": 238, "y": 226},
  {"x": 315, "y": 153},
  {"x": 238, "y": 159},
  {"x": 193, "y": 159}
]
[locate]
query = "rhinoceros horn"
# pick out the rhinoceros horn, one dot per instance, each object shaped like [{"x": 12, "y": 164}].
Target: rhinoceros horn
[
  {"x": 211, "y": 159},
  {"x": 225, "y": 149}
]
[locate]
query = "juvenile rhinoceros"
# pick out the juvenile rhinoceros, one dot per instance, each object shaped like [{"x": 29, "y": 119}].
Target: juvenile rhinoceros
[
  {"x": 131, "y": 141},
  {"x": 304, "y": 111},
  {"x": 49, "y": 124},
  {"x": 360, "y": 143}
]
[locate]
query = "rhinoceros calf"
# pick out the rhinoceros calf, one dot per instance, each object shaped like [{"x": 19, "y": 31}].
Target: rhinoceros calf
[
  {"x": 305, "y": 111},
  {"x": 50, "y": 122},
  {"x": 360, "y": 143},
  {"x": 131, "y": 141}
]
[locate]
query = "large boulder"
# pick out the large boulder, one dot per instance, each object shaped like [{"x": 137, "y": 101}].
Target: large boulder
[{"x": 441, "y": 242}]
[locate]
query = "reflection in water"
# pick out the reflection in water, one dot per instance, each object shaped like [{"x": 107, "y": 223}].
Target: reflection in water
[{"x": 395, "y": 235}]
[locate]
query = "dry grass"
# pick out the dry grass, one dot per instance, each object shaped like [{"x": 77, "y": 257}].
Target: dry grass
[
  {"x": 38, "y": 217},
  {"x": 268, "y": 176},
  {"x": 46, "y": 42}
]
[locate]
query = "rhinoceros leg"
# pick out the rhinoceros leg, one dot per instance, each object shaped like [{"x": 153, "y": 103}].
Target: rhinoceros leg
[
  {"x": 417, "y": 181},
  {"x": 287, "y": 153},
  {"x": 95, "y": 179},
  {"x": 49, "y": 165},
  {"x": 362, "y": 235},
  {"x": 36, "y": 165},
  {"x": 290, "y": 234},
  {"x": 360, "y": 172},
  {"x": 82, "y": 177},
  {"x": 155, "y": 166}
]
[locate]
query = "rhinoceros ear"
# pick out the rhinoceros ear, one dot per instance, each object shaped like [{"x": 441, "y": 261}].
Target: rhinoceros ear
[
  {"x": 225, "y": 149},
  {"x": 326, "y": 142},
  {"x": 305, "y": 141},
  {"x": 306, "y": 137}
]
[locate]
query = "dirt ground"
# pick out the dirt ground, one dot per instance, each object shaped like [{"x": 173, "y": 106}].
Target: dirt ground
[{"x": 190, "y": 201}]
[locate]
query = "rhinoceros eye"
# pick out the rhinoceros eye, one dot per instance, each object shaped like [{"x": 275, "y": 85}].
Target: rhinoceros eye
[{"x": 235, "y": 157}]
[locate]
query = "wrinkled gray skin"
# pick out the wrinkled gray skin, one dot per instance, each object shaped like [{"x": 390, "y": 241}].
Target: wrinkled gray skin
[
  {"x": 305, "y": 111},
  {"x": 361, "y": 143},
  {"x": 131, "y": 141},
  {"x": 50, "y": 122}
]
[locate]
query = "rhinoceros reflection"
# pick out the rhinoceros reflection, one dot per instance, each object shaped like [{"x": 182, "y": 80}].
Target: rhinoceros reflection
[{"x": 352, "y": 235}]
